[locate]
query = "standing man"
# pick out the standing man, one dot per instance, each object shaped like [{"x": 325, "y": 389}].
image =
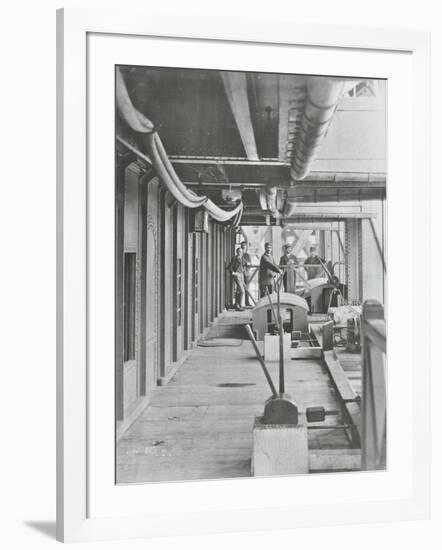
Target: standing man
[
  {"x": 287, "y": 263},
  {"x": 310, "y": 263},
  {"x": 236, "y": 268},
  {"x": 247, "y": 262},
  {"x": 267, "y": 268}
]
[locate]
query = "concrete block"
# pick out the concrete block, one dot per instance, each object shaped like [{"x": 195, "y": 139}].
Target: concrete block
[
  {"x": 271, "y": 347},
  {"x": 279, "y": 449}
]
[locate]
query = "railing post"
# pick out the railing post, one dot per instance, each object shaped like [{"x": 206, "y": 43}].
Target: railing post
[{"x": 373, "y": 387}]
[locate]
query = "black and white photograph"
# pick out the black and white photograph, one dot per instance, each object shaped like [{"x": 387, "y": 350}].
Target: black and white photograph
[
  {"x": 250, "y": 274},
  {"x": 214, "y": 217}
]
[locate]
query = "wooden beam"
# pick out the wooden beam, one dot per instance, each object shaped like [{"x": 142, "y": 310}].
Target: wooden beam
[
  {"x": 235, "y": 85},
  {"x": 339, "y": 378},
  {"x": 233, "y": 161},
  {"x": 306, "y": 353},
  {"x": 330, "y": 216},
  {"x": 359, "y": 192},
  {"x": 225, "y": 185},
  {"x": 258, "y": 214},
  {"x": 333, "y": 185},
  {"x": 314, "y": 225},
  {"x": 349, "y": 400}
]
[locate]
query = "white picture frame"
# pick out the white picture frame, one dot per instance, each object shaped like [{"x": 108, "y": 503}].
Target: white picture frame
[{"x": 76, "y": 217}]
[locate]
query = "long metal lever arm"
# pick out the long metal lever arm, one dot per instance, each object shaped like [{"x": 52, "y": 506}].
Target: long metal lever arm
[{"x": 261, "y": 360}]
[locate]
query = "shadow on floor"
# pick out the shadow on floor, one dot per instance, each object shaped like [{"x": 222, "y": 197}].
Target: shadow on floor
[{"x": 45, "y": 527}]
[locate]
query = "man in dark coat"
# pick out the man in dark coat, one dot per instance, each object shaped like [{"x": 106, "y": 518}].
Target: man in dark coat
[
  {"x": 311, "y": 262},
  {"x": 267, "y": 269},
  {"x": 236, "y": 268},
  {"x": 247, "y": 262},
  {"x": 287, "y": 262}
]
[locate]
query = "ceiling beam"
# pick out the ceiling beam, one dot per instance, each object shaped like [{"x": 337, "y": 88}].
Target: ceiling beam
[
  {"x": 336, "y": 188},
  {"x": 331, "y": 216},
  {"x": 235, "y": 85},
  {"x": 320, "y": 216},
  {"x": 330, "y": 226},
  {"x": 234, "y": 161},
  {"x": 351, "y": 184}
]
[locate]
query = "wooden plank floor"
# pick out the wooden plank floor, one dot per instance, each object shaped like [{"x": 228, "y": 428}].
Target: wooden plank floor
[{"x": 199, "y": 426}]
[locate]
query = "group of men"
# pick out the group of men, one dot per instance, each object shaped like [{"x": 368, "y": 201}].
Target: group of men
[{"x": 240, "y": 268}]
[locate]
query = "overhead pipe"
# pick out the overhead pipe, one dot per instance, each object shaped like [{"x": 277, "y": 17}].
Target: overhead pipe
[
  {"x": 267, "y": 200},
  {"x": 161, "y": 162},
  {"x": 136, "y": 120},
  {"x": 319, "y": 106},
  {"x": 262, "y": 199},
  {"x": 289, "y": 208},
  {"x": 167, "y": 173}
]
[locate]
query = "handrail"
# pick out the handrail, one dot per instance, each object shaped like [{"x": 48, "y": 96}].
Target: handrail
[
  {"x": 375, "y": 331},
  {"x": 374, "y": 391}
]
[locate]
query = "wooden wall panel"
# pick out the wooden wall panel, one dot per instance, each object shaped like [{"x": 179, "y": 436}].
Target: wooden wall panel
[
  {"x": 229, "y": 254},
  {"x": 203, "y": 281},
  {"x": 196, "y": 276},
  {"x": 167, "y": 302},
  {"x": 209, "y": 275},
  {"x": 131, "y": 244},
  {"x": 188, "y": 245},
  {"x": 226, "y": 273},
  {"x": 119, "y": 275},
  {"x": 217, "y": 271},
  {"x": 152, "y": 285},
  {"x": 221, "y": 269},
  {"x": 143, "y": 255},
  {"x": 178, "y": 282},
  {"x": 213, "y": 272}
]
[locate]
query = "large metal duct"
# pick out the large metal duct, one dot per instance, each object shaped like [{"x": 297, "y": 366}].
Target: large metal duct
[
  {"x": 271, "y": 197},
  {"x": 319, "y": 106},
  {"x": 268, "y": 199},
  {"x": 321, "y": 98}
]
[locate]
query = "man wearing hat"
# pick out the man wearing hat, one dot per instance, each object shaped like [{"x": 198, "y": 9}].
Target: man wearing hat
[
  {"x": 314, "y": 264},
  {"x": 267, "y": 269},
  {"x": 236, "y": 268},
  {"x": 247, "y": 262},
  {"x": 288, "y": 262}
]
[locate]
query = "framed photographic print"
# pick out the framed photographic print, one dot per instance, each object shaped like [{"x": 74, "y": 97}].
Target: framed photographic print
[{"x": 233, "y": 203}]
